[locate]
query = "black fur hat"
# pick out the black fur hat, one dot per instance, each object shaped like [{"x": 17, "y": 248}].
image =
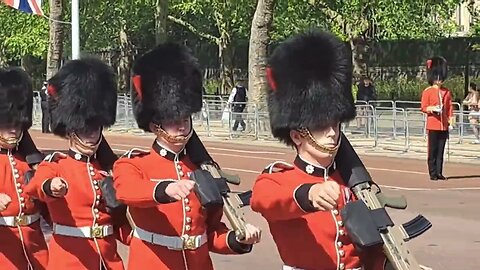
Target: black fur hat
[
  {"x": 437, "y": 69},
  {"x": 82, "y": 96},
  {"x": 310, "y": 84},
  {"x": 16, "y": 98},
  {"x": 167, "y": 85}
]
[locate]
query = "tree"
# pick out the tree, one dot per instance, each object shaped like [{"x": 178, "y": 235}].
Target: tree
[
  {"x": 220, "y": 22},
  {"x": 21, "y": 35},
  {"x": 360, "y": 22},
  {"x": 56, "y": 37},
  {"x": 258, "y": 49},
  {"x": 161, "y": 14},
  {"x": 113, "y": 29}
]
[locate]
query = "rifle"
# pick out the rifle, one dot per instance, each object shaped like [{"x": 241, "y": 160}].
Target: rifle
[
  {"x": 392, "y": 237},
  {"x": 231, "y": 202}
]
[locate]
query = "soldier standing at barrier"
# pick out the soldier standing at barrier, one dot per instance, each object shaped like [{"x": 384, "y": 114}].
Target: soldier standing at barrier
[
  {"x": 437, "y": 105},
  {"x": 310, "y": 95},
  {"x": 76, "y": 186},
  {"x": 172, "y": 228},
  {"x": 22, "y": 243}
]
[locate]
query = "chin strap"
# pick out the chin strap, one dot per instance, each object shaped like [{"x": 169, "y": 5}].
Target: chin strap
[
  {"x": 11, "y": 143},
  {"x": 305, "y": 133},
  {"x": 81, "y": 145},
  {"x": 159, "y": 131}
]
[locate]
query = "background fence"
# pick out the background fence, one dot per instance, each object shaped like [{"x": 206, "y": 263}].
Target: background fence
[{"x": 397, "y": 125}]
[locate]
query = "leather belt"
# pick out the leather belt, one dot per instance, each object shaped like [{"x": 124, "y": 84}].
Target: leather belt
[
  {"x": 83, "y": 232},
  {"x": 23, "y": 220},
  {"x": 189, "y": 242}
]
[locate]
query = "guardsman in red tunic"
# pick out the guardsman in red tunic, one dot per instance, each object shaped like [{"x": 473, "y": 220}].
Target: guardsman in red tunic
[
  {"x": 309, "y": 97},
  {"x": 172, "y": 229},
  {"x": 82, "y": 98},
  {"x": 22, "y": 243},
  {"x": 437, "y": 105}
]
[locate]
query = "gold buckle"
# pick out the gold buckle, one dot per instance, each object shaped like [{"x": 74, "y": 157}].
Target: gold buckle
[
  {"x": 189, "y": 242},
  {"x": 20, "y": 221},
  {"x": 97, "y": 232}
]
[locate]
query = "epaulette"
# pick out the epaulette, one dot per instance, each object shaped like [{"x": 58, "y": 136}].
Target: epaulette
[
  {"x": 277, "y": 166},
  {"x": 55, "y": 156},
  {"x": 135, "y": 152}
]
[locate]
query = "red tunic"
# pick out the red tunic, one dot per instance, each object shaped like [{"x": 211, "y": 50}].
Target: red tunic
[
  {"x": 306, "y": 238},
  {"x": 432, "y": 96},
  {"x": 140, "y": 182},
  {"x": 23, "y": 246},
  {"x": 82, "y": 206}
]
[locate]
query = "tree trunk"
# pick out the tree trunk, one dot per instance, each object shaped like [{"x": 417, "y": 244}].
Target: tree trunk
[
  {"x": 258, "y": 49},
  {"x": 225, "y": 54},
  {"x": 161, "y": 13},
  {"x": 56, "y": 36},
  {"x": 126, "y": 52},
  {"x": 359, "y": 48},
  {"x": 3, "y": 58},
  {"x": 27, "y": 64}
]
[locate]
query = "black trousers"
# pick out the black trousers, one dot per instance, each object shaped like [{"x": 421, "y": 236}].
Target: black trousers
[
  {"x": 436, "y": 149},
  {"x": 45, "y": 120},
  {"x": 238, "y": 118}
]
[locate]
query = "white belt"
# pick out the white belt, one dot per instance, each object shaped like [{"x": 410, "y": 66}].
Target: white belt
[
  {"x": 286, "y": 267},
  {"x": 15, "y": 221},
  {"x": 83, "y": 232},
  {"x": 171, "y": 242}
]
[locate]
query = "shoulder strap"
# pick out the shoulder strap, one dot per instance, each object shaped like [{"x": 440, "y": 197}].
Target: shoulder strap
[
  {"x": 277, "y": 166},
  {"x": 135, "y": 152},
  {"x": 55, "y": 156}
]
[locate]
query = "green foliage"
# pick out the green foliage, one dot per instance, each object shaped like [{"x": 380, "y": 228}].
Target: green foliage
[
  {"x": 212, "y": 86},
  {"x": 411, "y": 90},
  {"x": 293, "y": 16},
  {"x": 389, "y": 19},
  {"x": 215, "y": 16},
  {"x": 22, "y": 34},
  {"x": 101, "y": 22}
]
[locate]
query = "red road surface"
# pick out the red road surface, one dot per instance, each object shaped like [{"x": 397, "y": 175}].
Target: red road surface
[{"x": 452, "y": 206}]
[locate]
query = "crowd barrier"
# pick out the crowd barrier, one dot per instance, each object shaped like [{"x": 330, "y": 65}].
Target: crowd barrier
[{"x": 380, "y": 122}]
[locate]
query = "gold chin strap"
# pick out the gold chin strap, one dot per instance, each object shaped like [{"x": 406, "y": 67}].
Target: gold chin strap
[
  {"x": 84, "y": 145},
  {"x": 158, "y": 130},
  {"x": 11, "y": 142},
  {"x": 305, "y": 133}
]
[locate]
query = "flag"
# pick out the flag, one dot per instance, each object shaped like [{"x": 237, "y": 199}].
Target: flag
[{"x": 28, "y": 6}]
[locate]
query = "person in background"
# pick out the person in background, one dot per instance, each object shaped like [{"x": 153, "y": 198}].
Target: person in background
[
  {"x": 366, "y": 92},
  {"x": 436, "y": 103},
  {"x": 238, "y": 97},
  {"x": 45, "y": 111},
  {"x": 471, "y": 100}
]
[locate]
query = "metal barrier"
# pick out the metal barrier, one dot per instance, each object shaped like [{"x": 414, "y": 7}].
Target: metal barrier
[{"x": 376, "y": 120}]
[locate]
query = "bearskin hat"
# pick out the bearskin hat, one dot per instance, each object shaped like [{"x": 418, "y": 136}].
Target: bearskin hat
[
  {"x": 82, "y": 96},
  {"x": 310, "y": 84},
  {"x": 167, "y": 85},
  {"x": 437, "y": 69},
  {"x": 16, "y": 98}
]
